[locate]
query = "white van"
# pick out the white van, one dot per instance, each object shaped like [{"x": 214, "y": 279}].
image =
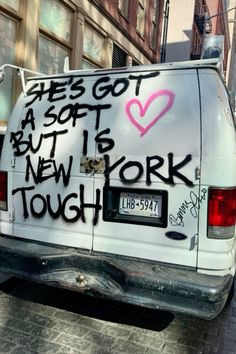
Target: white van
[{"x": 122, "y": 184}]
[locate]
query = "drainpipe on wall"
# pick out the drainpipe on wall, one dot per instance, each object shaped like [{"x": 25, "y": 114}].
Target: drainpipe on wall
[{"x": 164, "y": 33}]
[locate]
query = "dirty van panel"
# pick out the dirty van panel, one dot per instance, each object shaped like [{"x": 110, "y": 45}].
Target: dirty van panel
[
  {"x": 53, "y": 200},
  {"x": 152, "y": 139}
]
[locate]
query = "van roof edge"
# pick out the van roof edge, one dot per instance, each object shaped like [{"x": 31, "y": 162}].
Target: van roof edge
[{"x": 189, "y": 64}]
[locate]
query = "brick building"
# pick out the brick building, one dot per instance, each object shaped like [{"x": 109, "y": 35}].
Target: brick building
[
  {"x": 202, "y": 18},
  {"x": 210, "y": 18}
]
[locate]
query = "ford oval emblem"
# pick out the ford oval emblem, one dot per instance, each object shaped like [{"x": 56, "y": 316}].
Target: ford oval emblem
[{"x": 173, "y": 235}]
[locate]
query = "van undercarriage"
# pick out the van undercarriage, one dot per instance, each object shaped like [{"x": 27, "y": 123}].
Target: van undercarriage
[{"x": 140, "y": 282}]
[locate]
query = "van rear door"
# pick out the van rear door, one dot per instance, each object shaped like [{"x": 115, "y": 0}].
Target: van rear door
[
  {"x": 48, "y": 187},
  {"x": 108, "y": 161},
  {"x": 151, "y": 141}
]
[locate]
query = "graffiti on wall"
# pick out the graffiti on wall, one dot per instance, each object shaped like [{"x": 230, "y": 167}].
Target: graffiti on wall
[{"x": 67, "y": 108}]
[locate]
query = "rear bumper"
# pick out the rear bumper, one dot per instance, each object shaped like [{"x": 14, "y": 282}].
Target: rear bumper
[{"x": 144, "y": 283}]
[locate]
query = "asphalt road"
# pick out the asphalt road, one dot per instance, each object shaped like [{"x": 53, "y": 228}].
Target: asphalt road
[{"x": 38, "y": 319}]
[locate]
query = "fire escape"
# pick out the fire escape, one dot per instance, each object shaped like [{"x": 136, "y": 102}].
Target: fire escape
[{"x": 201, "y": 26}]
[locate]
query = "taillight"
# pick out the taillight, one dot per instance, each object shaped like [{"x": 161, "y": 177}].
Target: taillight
[
  {"x": 3, "y": 190},
  {"x": 221, "y": 212}
]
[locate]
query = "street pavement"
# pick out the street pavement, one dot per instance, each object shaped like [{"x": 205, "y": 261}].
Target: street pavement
[{"x": 38, "y": 319}]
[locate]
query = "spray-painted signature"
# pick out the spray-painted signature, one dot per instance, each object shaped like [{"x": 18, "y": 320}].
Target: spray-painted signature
[{"x": 192, "y": 206}]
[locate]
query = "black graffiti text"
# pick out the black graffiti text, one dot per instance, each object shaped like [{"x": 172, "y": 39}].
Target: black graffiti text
[
  {"x": 56, "y": 90},
  {"x": 151, "y": 169},
  {"x": 105, "y": 86},
  {"x": 173, "y": 169},
  {"x": 22, "y": 145},
  {"x": 70, "y": 89},
  {"x": 50, "y": 167},
  {"x": 73, "y": 112},
  {"x": 56, "y": 206}
]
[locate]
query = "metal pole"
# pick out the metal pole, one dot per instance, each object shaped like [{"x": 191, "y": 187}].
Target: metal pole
[
  {"x": 164, "y": 34},
  {"x": 221, "y": 13},
  {"x": 204, "y": 33}
]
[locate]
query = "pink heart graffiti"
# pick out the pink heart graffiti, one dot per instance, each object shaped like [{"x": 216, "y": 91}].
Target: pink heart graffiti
[{"x": 144, "y": 129}]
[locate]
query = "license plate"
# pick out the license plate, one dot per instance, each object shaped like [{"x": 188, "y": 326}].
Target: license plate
[{"x": 144, "y": 205}]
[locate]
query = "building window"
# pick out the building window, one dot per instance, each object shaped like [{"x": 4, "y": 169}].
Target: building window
[
  {"x": 87, "y": 65},
  {"x": 155, "y": 13},
  {"x": 51, "y": 56},
  {"x": 56, "y": 18},
  {"x": 55, "y": 36},
  {"x": 8, "y": 30},
  {"x": 92, "y": 48},
  {"x": 119, "y": 57},
  {"x": 12, "y": 3},
  {"x": 7, "y": 40},
  {"x": 135, "y": 63},
  {"x": 123, "y": 6},
  {"x": 141, "y": 17}
]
